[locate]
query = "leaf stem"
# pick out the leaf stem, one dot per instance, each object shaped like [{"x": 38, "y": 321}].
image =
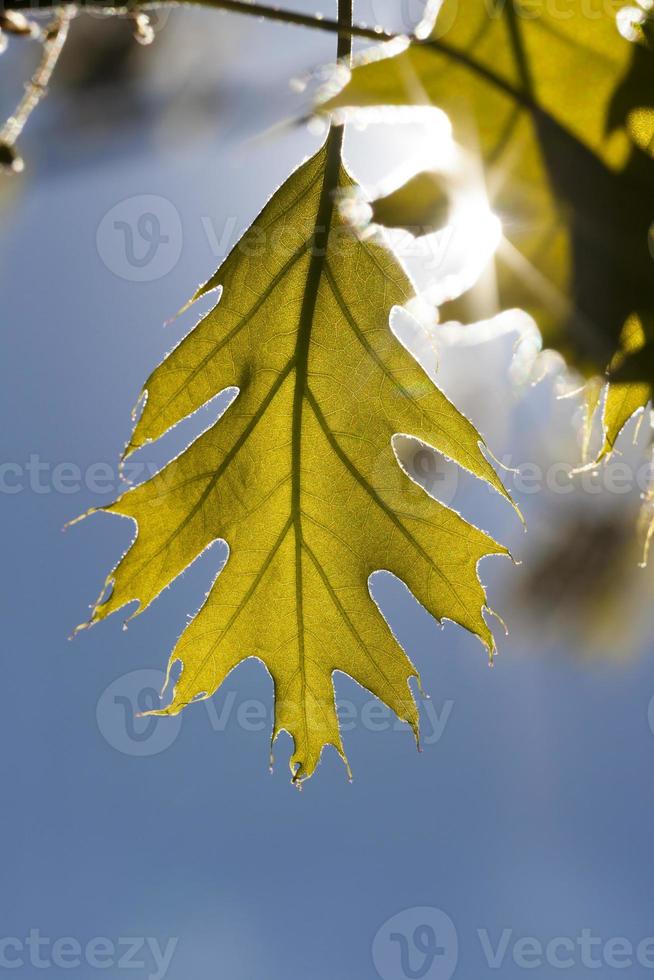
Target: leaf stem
[{"x": 346, "y": 28}]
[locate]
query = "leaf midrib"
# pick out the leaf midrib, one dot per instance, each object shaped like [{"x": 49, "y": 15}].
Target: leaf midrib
[{"x": 319, "y": 245}]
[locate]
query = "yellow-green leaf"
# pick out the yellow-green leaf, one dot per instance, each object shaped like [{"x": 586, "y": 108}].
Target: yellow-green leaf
[
  {"x": 624, "y": 395},
  {"x": 558, "y": 108},
  {"x": 299, "y": 475},
  {"x": 421, "y": 206}
]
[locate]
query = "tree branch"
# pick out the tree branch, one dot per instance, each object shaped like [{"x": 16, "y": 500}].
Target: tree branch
[
  {"x": 233, "y": 6},
  {"x": 53, "y": 41}
]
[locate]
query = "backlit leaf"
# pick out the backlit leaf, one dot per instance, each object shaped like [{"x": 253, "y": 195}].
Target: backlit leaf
[
  {"x": 421, "y": 206},
  {"x": 558, "y": 108},
  {"x": 624, "y": 395},
  {"x": 299, "y": 476}
]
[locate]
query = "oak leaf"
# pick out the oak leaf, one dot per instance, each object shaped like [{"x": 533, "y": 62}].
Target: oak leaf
[{"x": 299, "y": 476}]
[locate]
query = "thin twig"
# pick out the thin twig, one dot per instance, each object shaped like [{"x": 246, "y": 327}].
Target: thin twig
[
  {"x": 37, "y": 87},
  {"x": 233, "y": 6}
]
